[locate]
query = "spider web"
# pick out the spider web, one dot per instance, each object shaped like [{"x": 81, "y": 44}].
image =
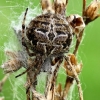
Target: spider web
[{"x": 11, "y": 13}]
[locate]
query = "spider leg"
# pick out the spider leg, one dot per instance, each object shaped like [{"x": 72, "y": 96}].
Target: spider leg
[
  {"x": 23, "y": 23},
  {"x": 32, "y": 72},
  {"x": 25, "y": 42},
  {"x": 28, "y": 69},
  {"x": 28, "y": 46}
]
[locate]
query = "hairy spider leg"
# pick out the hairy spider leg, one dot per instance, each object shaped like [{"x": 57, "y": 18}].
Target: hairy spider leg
[
  {"x": 23, "y": 23},
  {"x": 25, "y": 42}
]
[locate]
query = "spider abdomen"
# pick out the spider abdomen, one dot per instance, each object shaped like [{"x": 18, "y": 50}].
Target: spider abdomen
[{"x": 50, "y": 34}]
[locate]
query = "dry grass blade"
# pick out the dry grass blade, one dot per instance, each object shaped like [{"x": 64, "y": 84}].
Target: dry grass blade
[{"x": 3, "y": 81}]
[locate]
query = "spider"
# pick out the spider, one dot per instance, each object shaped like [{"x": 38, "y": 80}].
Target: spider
[
  {"x": 49, "y": 36},
  {"x": 46, "y": 42}
]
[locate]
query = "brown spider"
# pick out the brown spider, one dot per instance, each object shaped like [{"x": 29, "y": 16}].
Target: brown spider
[{"x": 45, "y": 42}]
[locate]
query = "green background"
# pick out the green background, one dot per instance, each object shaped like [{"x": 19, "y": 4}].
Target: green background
[{"x": 89, "y": 51}]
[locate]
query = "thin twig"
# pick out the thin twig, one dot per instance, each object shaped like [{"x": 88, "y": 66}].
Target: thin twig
[
  {"x": 84, "y": 7},
  {"x": 68, "y": 84},
  {"x": 77, "y": 80},
  {"x": 79, "y": 38},
  {"x": 3, "y": 81},
  {"x": 51, "y": 82},
  {"x": 36, "y": 94},
  {"x": 28, "y": 93}
]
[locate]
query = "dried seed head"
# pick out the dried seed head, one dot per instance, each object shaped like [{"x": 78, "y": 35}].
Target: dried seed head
[
  {"x": 60, "y": 6},
  {"x": 16, "y": 61},
  {"x": 47, "y": 6},
  {"x": 76, "y": 22},
  {"x": 91, "y": 12},
  {"x": 13, "y": 64},
  {"x": 74, "y": 63},
  {"x": 58, "y": 92}
]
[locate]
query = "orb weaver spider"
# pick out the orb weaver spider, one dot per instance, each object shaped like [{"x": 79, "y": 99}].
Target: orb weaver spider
[{"x": 46, "y": 43}]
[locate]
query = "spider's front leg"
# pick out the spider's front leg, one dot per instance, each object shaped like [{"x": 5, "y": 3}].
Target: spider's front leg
[
  {"x": 28, "y": 46},
  {"x": 26, "y": 43}
]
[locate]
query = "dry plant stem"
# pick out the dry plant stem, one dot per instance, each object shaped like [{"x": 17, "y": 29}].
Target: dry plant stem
[
  {"x": 34, "y": 98},
  {"x": 28, "y": 93},
  {"x": 51, "y": 83},
  {"x": 77, "y": 80},
  {"x": 3, "y": 81},
  {"x": 69, "y": 82},
  {"x": 36, "y": 94},
  {"x": 89, "y": 14},
  {"x": 79, "y": 38},
  {"x": 84, "y": 7},
  {"x": 58, "y": 92}
]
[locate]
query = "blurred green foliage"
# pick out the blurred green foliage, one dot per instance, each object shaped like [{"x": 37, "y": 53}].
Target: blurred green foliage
[{"x": 89, "y": 51}]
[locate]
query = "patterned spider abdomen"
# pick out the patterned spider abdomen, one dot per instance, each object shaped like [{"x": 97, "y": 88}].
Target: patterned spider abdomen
[{"x": 49, "y": 34}]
